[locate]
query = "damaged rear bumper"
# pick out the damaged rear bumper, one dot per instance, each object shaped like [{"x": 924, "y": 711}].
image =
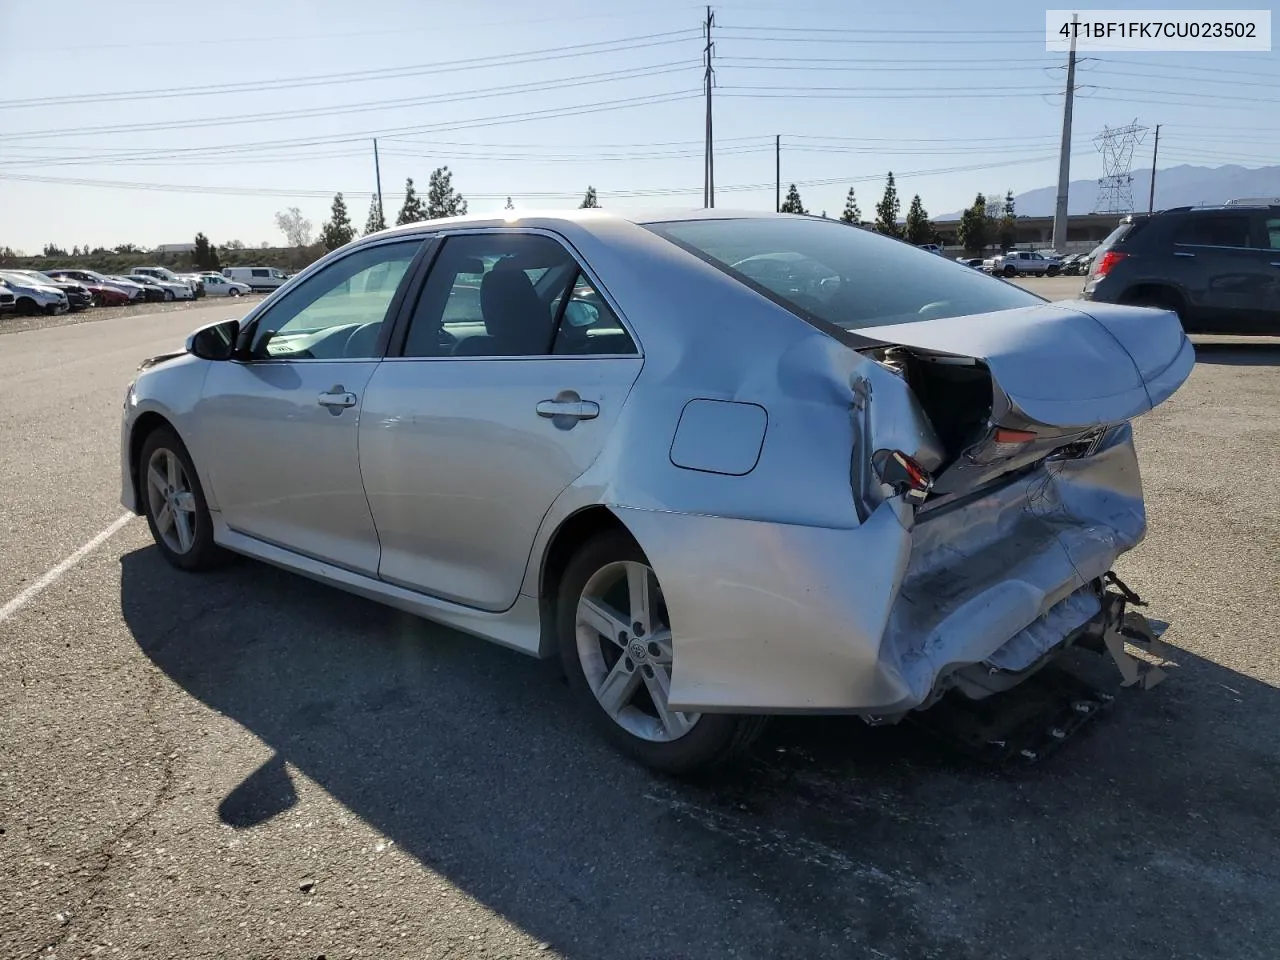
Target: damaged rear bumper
[{"x": 884, "y": 618}]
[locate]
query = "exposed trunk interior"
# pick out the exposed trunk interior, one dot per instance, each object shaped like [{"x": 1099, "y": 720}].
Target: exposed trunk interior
[{"x": 954, "y": 392}]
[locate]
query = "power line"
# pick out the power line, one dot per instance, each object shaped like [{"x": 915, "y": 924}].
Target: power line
[
  {"x": 914, "y": 41},
  {"x": 359, "y": 76},
  {"x": 525, "y": 116},
  {"x": 313, "y": 112},
  {"x": 362, "y": 194}
]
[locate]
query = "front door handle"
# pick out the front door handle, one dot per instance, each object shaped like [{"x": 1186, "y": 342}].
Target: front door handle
[
  {"x": 1275, "y": 263},
  {"x": 1183, "y": 253},
  {"x": 337, "y": 396},
  {"x": 574, "y": 408}
]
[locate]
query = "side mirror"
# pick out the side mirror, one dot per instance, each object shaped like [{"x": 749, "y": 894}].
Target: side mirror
[{"x": 217, "y": 341}]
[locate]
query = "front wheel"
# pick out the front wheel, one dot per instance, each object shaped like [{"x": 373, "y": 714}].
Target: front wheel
[
  {"x": 1052, "y": 271},
  {"x": 168, "y": 295},
  {"x": 174, "y": 503},
  {"x": 616, "y": 647},
  {"x": 1010, "y": 272},
  {"x": 233, "y": 292}
]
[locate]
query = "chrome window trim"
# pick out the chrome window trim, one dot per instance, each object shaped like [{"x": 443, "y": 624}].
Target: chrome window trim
[
  {"x": 1216, "y": 246},
  {"x": 582, "y": 265}
]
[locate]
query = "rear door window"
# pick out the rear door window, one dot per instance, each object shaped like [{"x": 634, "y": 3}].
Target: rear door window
[
  {"x": 1218, "y": 230},
  {"x": 1272, "y": 232}
]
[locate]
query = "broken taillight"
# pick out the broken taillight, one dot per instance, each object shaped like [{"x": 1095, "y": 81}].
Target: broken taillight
[
  {"x": 902, "y": 474},
  {"x": 1109, "y": 260},
  {"x": 1000, "y": 444}
]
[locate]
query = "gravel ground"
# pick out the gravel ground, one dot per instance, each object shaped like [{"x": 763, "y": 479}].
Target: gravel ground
[{"x": 250, "y": 765}]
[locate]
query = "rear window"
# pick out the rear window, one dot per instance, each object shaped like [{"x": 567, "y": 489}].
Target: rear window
[{"x": 842, "y": 275}]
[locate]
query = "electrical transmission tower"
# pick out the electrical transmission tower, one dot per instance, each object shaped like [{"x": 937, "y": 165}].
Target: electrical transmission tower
[{"x": 1115, "y": 186}]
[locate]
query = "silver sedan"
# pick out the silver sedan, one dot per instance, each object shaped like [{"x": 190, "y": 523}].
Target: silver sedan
[{"x": 722, "y": 465}]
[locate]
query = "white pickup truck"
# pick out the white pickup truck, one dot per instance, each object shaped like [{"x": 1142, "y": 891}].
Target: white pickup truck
[{"x": 1018, "y": 263}]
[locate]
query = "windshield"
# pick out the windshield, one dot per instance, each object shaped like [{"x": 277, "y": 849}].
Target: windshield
[{"x": 828, "y": 271}]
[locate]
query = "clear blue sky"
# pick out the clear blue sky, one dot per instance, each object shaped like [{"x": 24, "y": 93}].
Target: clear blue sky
[{"x": 954, "y": 97}]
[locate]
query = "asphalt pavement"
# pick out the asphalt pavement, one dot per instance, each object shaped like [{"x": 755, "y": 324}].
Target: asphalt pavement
[{"x": 248, "y": 764}]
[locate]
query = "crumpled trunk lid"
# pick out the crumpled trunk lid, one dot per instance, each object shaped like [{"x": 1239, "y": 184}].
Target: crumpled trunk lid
[
  {"x": 1005, "y": 390},
  {"x": 1064, "y": 364}
]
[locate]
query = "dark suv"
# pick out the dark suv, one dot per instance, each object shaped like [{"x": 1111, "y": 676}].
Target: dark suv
[{"x": 1218, "y": 267}]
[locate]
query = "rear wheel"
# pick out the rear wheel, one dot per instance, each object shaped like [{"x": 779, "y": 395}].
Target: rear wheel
[
  {"x": 168, "y": 295},
  {"x": 174, "y": 503},
  {"x": 616, "y": 646}
]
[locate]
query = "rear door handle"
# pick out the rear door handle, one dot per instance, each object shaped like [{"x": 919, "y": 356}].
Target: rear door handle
[
  {"x": 577, "y": 409},
  {"x": 1275, "y": 263},
  {"x": 1180, "y": 253},
  {"x": 337, "y": 397}
]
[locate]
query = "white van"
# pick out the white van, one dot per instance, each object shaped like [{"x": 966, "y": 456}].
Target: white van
[{"x": 259, "y": 278}]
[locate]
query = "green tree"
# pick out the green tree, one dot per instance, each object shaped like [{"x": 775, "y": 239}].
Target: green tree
[
  {"x": 888, "y": 208},
  {"x": 792, "y": 203},
  {"x": 233, "y": 245},
  {"x": 126, "y": 248},
  {"x": 53, "y": 250},
  {"x": 375, "y": 221},
  {"x": 205, "y": 255},
  {"x": 411, "y": 211},
  {"x": 590, "y": 201},
  {"x": 337, "y": 230},
  {"x": 918, "y": 228},
  {"x": 851, "y": 212},
  {"x": 442, "y": 199},
  {"x": 974, "y": 232},
  {"x": 1008, "y": 228}
]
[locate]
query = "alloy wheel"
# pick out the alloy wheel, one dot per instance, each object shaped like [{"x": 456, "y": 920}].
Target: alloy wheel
[
  {"x": 173, "y": 505},
  {"x": 624, "y": 647}
]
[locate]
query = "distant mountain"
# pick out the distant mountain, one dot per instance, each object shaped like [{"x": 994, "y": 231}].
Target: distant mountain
[{"x": 1175, "y": 187}]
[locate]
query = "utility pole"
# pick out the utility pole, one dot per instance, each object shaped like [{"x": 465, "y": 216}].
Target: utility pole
[
  {"x": 777, "y": 173},
  {"x": 1151, "y": 197},
  {"x": 1064, "y": 154},
  {"x": 709, "y": 173},
  {"x": 377, "y": 175}
]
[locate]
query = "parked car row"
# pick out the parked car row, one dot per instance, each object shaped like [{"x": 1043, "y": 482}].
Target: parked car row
[{"x": 69, "y": 290}]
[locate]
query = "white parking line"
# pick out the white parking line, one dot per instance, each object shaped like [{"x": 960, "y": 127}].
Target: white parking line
[{"x": 50, "y": 577}]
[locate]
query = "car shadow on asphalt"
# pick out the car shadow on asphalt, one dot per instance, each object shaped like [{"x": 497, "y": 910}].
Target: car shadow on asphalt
[
  {"x": 473, "y": 759},
  {"x": 1239, "y": 353}
]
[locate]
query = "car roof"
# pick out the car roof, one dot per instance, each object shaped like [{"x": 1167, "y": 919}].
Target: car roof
[{"x": 586, "y": 218}]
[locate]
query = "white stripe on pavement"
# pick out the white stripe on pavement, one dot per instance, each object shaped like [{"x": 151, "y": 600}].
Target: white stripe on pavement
[{"x": 51, "y": 577}]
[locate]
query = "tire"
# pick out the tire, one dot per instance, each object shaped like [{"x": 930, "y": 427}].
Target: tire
[
  {"x": 169, "y": 295},
  {"x": 195, "y": 550},
  {"x": 1053, "y": 271},
  {"x": 27, "y": 307},
  {"x": 1009, "y": 272},
  {"x": 681, "y": 744},
  {"x": 233, "y": 292}
]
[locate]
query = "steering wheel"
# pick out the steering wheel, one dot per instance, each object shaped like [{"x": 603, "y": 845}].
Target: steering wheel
[
  {"x": 362, "y": 341},
  {"x": 935, "y": 309}
]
